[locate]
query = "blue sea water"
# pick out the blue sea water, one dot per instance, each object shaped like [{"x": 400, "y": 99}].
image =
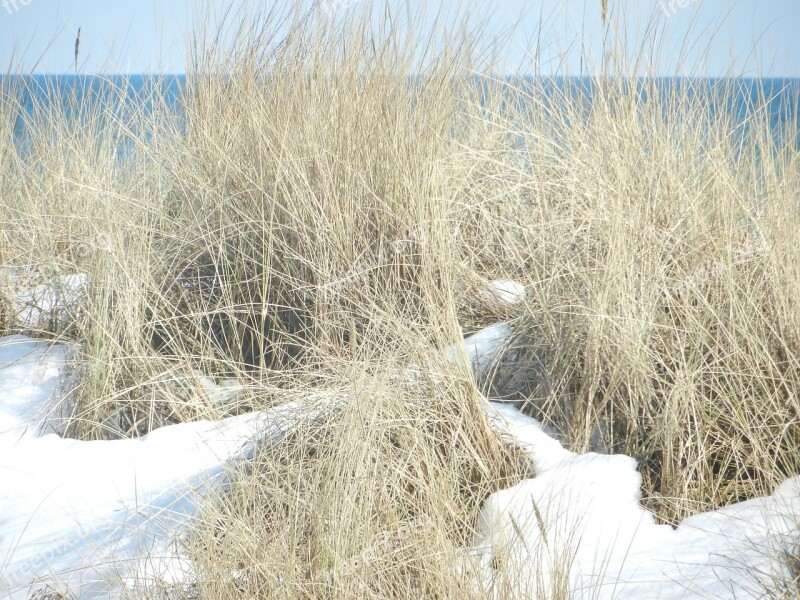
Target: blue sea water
[
  {"x": 742, "y": 100},
  {"x": 110, "y": 98}
]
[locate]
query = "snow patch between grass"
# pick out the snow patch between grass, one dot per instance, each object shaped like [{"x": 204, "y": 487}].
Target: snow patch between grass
[
  {"x": 100, "y": 519},
  {"x": 578, "y": 529},
  {"x": 92, "y": 519}
]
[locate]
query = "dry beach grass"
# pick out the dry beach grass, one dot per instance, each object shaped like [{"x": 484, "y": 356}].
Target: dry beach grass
[{"x": 314, "y": 223}]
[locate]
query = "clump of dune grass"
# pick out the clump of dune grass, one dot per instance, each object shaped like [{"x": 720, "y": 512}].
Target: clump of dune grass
[
  {"x": 655, "y": 246},
  {"x": 318, "y": 515}
]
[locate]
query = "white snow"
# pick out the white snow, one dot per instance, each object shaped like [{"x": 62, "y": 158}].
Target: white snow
[
  {"x": 90, "y": 518},
  {"x": 222, "y": 395},
  {"x": 104, "y": 519},
  {"x": 578, "y": 525},
  {"x": 31, "y": 377},
  {"x": 51, "y": 305},
  {"x": 506, "y": 290},
  {"x": 480, "y": 349}
]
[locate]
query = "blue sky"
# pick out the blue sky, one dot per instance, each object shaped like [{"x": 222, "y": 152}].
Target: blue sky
[{"x": 692, "y": 37}]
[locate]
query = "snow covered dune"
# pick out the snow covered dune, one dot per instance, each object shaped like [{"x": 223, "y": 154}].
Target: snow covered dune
[
  {"x": 105, "y": 519},
  {"x": 578, "y": 527},
  {"x": 93, "y": 519}
]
